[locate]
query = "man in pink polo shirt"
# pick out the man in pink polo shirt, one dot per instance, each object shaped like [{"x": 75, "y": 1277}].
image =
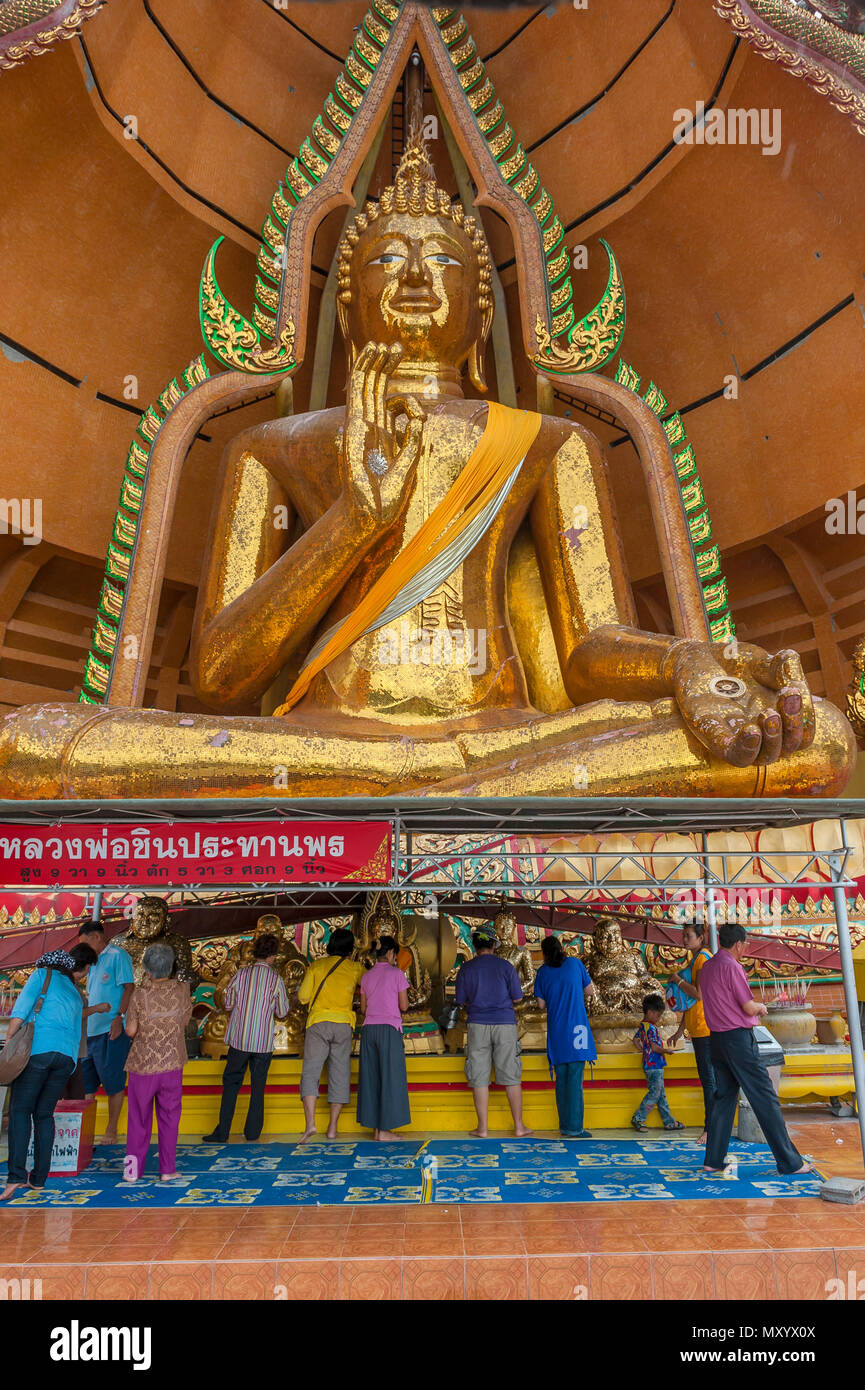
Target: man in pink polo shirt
[{"x": 731, "y": 1012}]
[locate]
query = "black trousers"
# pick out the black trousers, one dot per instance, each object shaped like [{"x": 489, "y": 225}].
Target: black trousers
[
  {"x": 706, "y": 1073},
  {"x": 32, "y": 1099},
  {"x": 736, "y": 1063},
  {"x": 232, "y": 1080}
]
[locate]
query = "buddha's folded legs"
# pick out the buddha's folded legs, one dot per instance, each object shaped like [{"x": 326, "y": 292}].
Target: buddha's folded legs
[
  {"x": 74, "y": 751},
  {"x": 604, "y": 749}
]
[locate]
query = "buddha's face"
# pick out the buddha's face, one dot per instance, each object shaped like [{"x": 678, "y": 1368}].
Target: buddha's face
[
  {"x": 414, "y": 281},
  {"x": 607, "y": 938},
  {"x": 268, "y": 924},
  {"x": 151, "y": 916},
  {"x": 506, "y": 928}
]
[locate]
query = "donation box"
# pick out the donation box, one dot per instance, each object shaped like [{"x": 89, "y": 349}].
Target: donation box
[{"x": 74, "y": 1128}]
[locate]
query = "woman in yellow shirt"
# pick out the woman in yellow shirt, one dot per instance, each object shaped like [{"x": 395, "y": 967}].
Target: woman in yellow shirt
[
  {"x": 693, "y": 939},
  {"x": 329, "y": 987}
]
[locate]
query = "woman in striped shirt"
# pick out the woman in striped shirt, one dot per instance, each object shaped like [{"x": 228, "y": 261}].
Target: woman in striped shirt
[{"x": 255, "y": 994}]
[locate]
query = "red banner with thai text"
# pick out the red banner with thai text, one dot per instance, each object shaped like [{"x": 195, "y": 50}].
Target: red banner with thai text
[{"x": 196, "y": 853}]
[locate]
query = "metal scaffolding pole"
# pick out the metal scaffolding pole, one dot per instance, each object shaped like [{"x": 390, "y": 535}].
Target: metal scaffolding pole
[
  {"x": 709, "y": 891},
  {"x": 837, "y": 861}
]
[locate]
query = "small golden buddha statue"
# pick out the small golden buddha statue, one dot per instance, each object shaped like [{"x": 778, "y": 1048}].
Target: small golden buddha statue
[
  {"x": 288, "y": 1033},
  {"x": 531, "y": 1019},
  {"x": 421, "y": 1033},
  {"x": 621, "y": 983},
  {"x": 450, "y": 714},
  {"x": 150, "y": 925}
]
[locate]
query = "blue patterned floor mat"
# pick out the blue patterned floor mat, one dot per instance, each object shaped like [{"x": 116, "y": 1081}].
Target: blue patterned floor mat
[{"x": 360, "y": 1172}]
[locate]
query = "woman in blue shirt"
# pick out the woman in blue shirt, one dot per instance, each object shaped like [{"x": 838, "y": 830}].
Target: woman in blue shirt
[
  {"x": 53, "y": 1059},
  {"x": 562, "y": 985}
]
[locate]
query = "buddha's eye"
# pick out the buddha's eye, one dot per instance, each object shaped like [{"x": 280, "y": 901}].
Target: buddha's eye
[
  {"x": 389, "y": 258},
  {"x": 441, "y": 259}
]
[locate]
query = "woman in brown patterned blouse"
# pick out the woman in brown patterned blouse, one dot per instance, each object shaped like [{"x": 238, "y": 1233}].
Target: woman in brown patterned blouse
[{"x": 156, "y": 1021}]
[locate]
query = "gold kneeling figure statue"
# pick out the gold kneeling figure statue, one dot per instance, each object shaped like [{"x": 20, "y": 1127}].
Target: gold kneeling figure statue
[
  {"x": 436, "y": 701},
  {"x": 287, "y": 1033},
  {"x": 621, "y": 982},
  {"x": 150, "y": 925}
]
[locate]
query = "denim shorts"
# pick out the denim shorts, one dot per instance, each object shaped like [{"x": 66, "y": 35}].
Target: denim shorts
[{"x": 105, "y": 1062}]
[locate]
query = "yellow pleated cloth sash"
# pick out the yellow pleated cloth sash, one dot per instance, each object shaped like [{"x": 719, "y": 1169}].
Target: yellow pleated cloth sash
[{"x": 507, "y": 438}]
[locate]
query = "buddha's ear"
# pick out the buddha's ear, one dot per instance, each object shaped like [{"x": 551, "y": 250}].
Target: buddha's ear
[
  {"x": 342, "y": 318},
  {"x": 476, "y": 366},
  {"x": 478, "y": 349}
]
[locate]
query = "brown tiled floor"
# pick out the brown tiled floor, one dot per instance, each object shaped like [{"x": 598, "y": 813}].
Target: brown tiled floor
[{"x": 741, "y": 1248}]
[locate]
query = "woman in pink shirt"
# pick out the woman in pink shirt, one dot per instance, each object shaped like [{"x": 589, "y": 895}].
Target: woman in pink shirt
[{"x": 382, "y": 1088}]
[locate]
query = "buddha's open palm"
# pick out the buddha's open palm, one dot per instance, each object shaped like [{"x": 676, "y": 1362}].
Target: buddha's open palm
[
  {"x": 744, "y": 705},
  {"x": 378, "y": 468}
]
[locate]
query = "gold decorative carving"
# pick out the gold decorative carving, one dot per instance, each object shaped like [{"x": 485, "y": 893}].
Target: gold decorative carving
[
  {"x": 855, "y": 710},
  {"x": 595, "y": 338},
  {"x": 16, "y": 46}
]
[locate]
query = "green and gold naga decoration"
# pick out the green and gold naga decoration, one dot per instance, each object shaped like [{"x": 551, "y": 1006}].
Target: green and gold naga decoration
[
  {"x": 810, "y": 44},
  {"x": 707, "y": 556},
  {"x": 565, "y": 344},
  {"x": 232, "y": 339},
  {"x": 121, "y": 547}
]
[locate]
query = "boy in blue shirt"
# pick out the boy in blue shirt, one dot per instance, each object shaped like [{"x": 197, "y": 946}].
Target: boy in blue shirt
[{"x": 648, "y": 1040}]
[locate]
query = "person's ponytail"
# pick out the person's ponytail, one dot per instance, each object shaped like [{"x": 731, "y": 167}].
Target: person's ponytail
[{"x": 552, "y": 951}]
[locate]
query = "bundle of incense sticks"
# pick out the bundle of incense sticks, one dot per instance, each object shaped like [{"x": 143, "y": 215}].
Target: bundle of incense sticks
[{"x": 785, "y": 994}]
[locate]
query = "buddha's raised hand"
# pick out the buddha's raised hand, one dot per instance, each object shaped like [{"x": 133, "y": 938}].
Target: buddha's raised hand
[
  {"x": 378, "y": 469},
  {"x": 744, "y": 705}
]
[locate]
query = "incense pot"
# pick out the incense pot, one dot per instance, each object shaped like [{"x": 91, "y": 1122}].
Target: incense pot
[{"x": 792, "y": 1025}]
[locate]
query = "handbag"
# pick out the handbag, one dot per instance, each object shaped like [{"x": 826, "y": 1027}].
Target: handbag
[{"x": 16, "y": 1053}]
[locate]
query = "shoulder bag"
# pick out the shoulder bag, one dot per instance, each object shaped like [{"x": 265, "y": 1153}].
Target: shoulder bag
[{"x": 16, "y": 1053}]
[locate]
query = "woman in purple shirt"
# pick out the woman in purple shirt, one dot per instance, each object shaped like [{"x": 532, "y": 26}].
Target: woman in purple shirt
[{"x": 382, "y": 1088}]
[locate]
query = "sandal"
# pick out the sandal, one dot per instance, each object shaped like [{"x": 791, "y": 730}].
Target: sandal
[
  {"x": 639, "y": 1126},
  {"x": 677, "y": 1124}
]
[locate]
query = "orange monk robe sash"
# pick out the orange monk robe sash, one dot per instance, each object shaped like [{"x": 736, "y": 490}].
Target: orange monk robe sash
[{"x": 507, "y": 438}]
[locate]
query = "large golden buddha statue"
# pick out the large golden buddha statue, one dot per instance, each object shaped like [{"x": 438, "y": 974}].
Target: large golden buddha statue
[{"x": 414, "y": 681}]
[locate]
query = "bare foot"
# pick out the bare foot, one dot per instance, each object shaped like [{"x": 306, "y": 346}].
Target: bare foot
[
  {"x": 806, "y": 1168},
  {"x": 703, "y": 1139},
  {"x": 168, "y": 1177},
  {"x": 108, "y": 1138},
  {"x": 10, "y": 1190},
  {"x": 307, "y": 1134},
  {"x": 707, "y": 1169},
  {"x": 478, "y": 1134},
  {"x": 523, "y": 1133},
  {"x": 388, "y": 1136},
  {"x": 331, "y": 1136}
]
